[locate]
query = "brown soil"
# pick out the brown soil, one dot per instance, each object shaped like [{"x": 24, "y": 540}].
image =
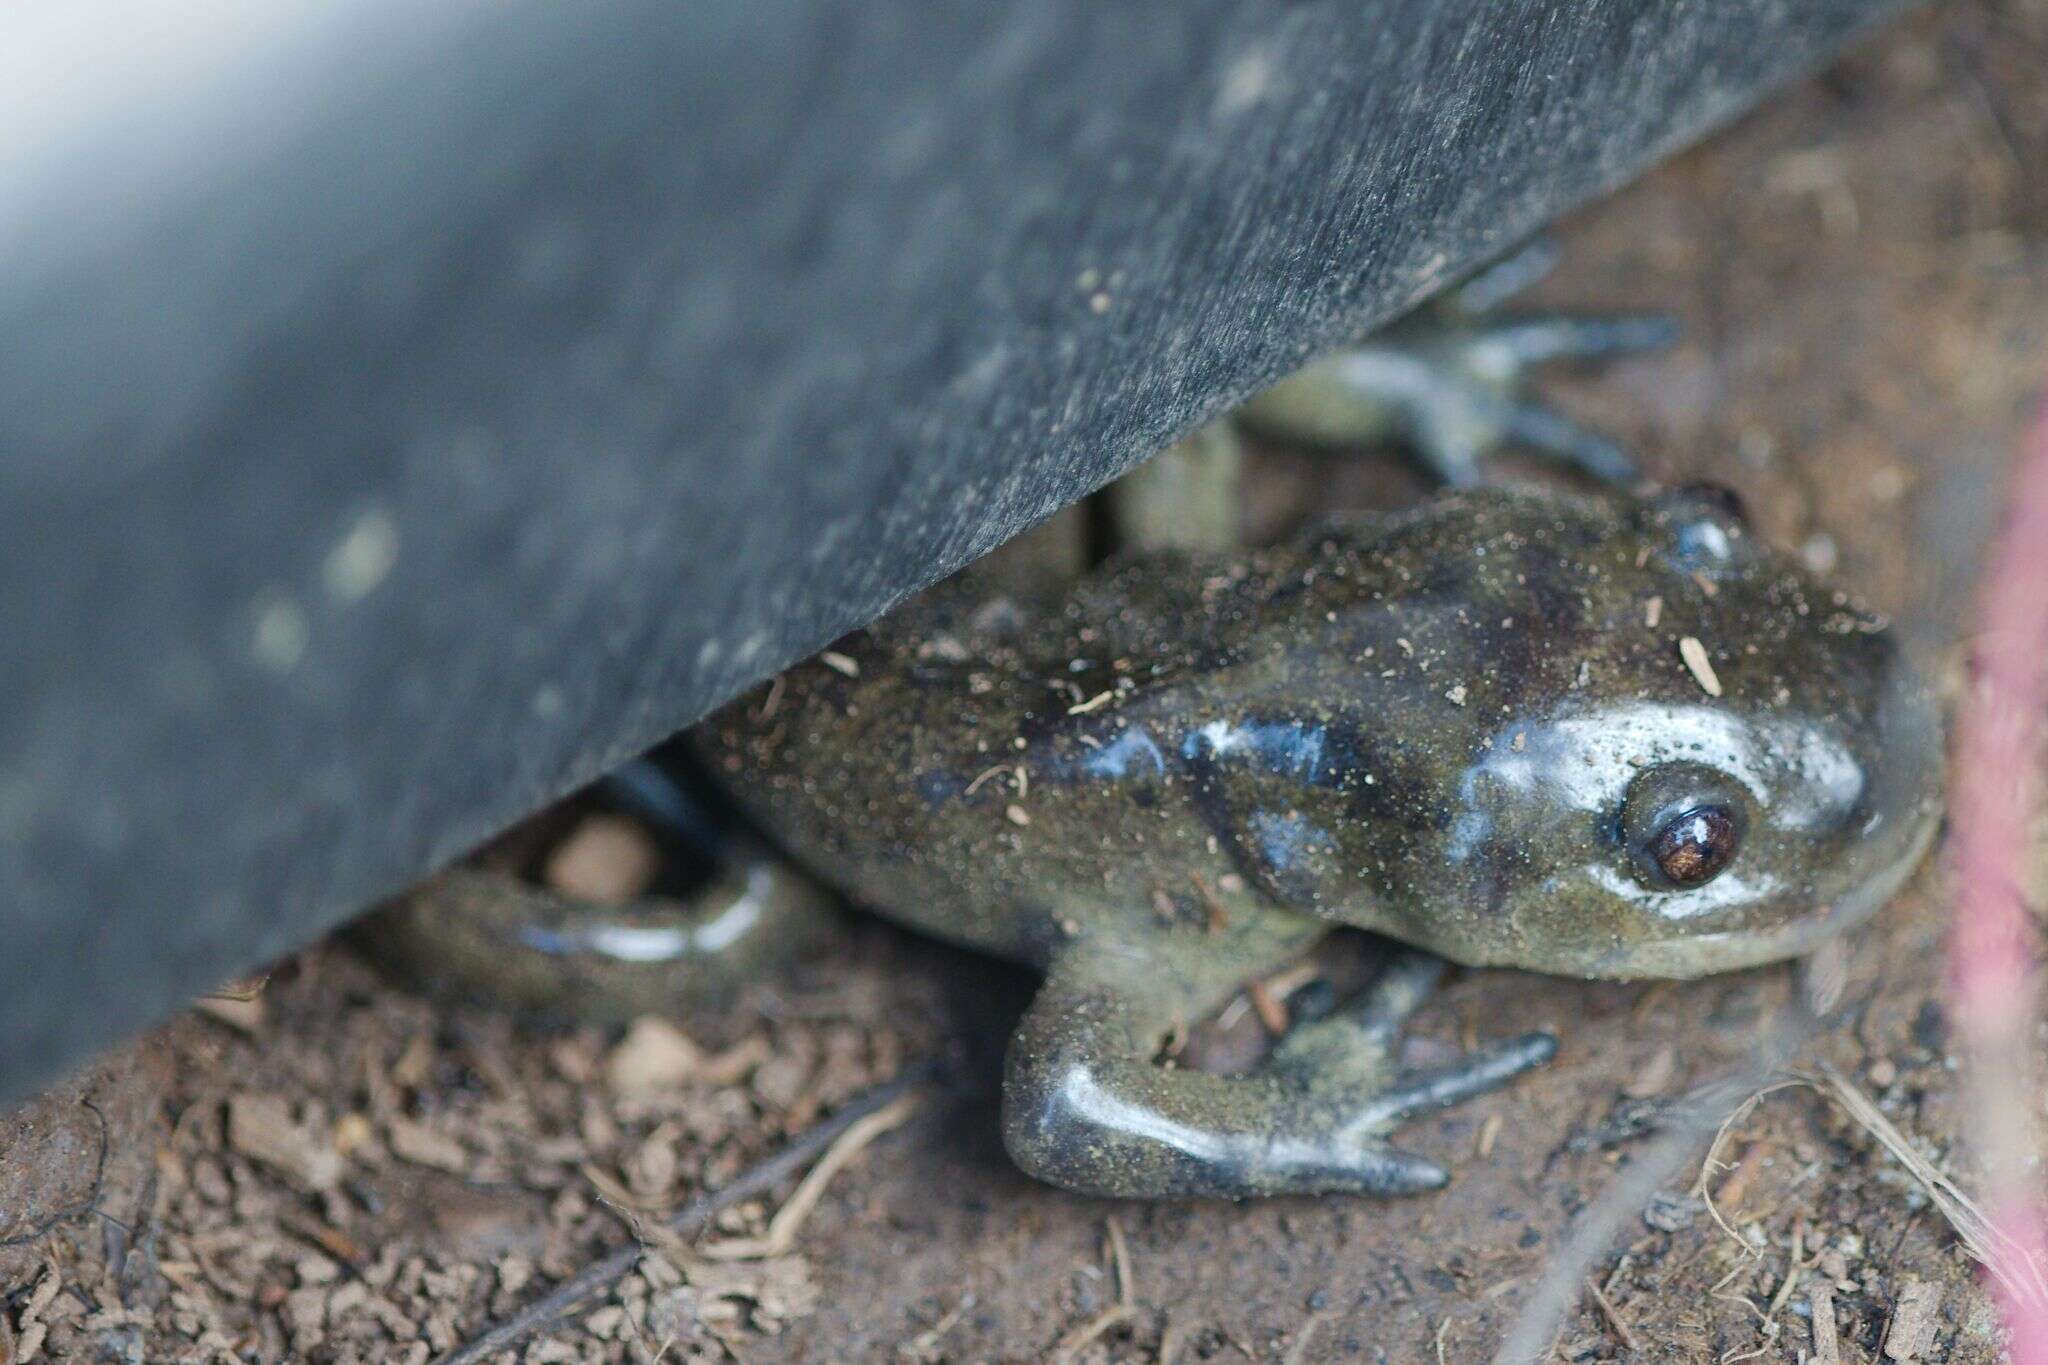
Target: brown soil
[{"x": 342, "y": 1171}]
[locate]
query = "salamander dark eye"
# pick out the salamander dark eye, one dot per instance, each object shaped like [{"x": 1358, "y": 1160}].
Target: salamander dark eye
[
  {"x": 1682, "y": 824},
  {"x": 1694, "y": 846}
]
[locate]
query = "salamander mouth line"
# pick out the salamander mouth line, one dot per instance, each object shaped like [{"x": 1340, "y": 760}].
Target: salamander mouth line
[{"x": 1682, "y": 958}]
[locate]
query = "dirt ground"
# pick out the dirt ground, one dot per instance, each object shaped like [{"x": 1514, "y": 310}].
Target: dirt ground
[{"x": 343, "y": 1171}]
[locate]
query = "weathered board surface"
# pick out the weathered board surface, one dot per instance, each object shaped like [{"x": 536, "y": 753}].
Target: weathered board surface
[{"x": 404, "y": 417}]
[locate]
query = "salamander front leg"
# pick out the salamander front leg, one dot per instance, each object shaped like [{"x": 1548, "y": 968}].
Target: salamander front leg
[{"x": 1088, "y": 1106}]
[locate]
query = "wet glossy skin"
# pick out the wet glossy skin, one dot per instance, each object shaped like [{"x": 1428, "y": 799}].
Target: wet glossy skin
[
  {"x": 1601, "y": 736},
  {"x": 1473, "y": 726},
  {"x": 1427, "y": 725},
  {"x": 1455, "y": 726}
]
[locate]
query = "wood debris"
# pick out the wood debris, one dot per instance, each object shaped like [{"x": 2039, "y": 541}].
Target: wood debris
[
  {"x": 1827, "y": 1341},
  {"x": 25, "y": 1343},
  {"x": 1072, "y": 1344},
  {"x": 1489, "y": 1134},
  {"x": 1699, "y": 665},
  {"x": 261, "y": 1127},
  {"x": 788, "y": 1221},
  {"x": 654, "y": 1056},
  {"x": 244, "y": 1013},
  {"x": 1911, "y": 1333},
  {"x": 1622, "y": 1332},
  {"x": 422, "y": 1146}
]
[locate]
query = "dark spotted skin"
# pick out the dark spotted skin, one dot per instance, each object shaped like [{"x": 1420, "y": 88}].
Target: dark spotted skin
[
  {"x": 1473, "y": 726},
  {"x": 1456, "y": 726},
  {"x": 1389, "y": 723}
]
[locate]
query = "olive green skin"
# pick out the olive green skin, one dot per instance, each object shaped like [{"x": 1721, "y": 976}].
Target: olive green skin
[
  {"x": 1469, "y": 726},
  {"x": 1462, "y": 726},
  {"x": 1423, "y": 724},
  {"x": 484, "y": 932}
]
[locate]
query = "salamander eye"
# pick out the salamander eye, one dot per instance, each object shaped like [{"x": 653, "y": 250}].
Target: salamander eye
[
  {"x": 1682, "y": 825},
  {"x": 1693, "y": 847}
]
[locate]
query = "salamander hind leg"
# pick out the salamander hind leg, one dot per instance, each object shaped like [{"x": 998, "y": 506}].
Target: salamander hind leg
[
  {"x": 1087, "y": 1104},
  {"x": 1450, "y": 381}
]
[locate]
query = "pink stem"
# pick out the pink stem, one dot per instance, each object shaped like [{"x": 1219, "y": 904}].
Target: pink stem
[{"x": 1991, "y": 961}]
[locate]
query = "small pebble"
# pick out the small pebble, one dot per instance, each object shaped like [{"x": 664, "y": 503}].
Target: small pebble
[
  {"x": 606, "y": 858},
  {"x": 1669, "y": 1212}
]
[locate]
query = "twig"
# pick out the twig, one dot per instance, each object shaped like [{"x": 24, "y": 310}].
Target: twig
[
  {"x": 1621, "y": 1329},
  {"x": 2021, "y": 1274},
  {"x": 1122, "y": 1255},
  {"x": 686, "y": 1220},
  {"x": 1272, "y": 1014},
  {"x": 1827, "y": 1341},
  {"x": 1310, "y": 1325},
  {"x": 1699, "y": 1186},
  {"x": 926, "y": 1342},
  {"x": 1122, "y": 1311},
  {"x": 789, "y": 1219},
  {"x": 1544, "y": 1312},
  {"x": 1170, "y": 1340},
  {"x": 1792, "y": 1272},
  {"x": 1891, "y": 1252},
  {"x": 1070, "y": 1345},
  {"x": 2017, "y": 1268}
]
